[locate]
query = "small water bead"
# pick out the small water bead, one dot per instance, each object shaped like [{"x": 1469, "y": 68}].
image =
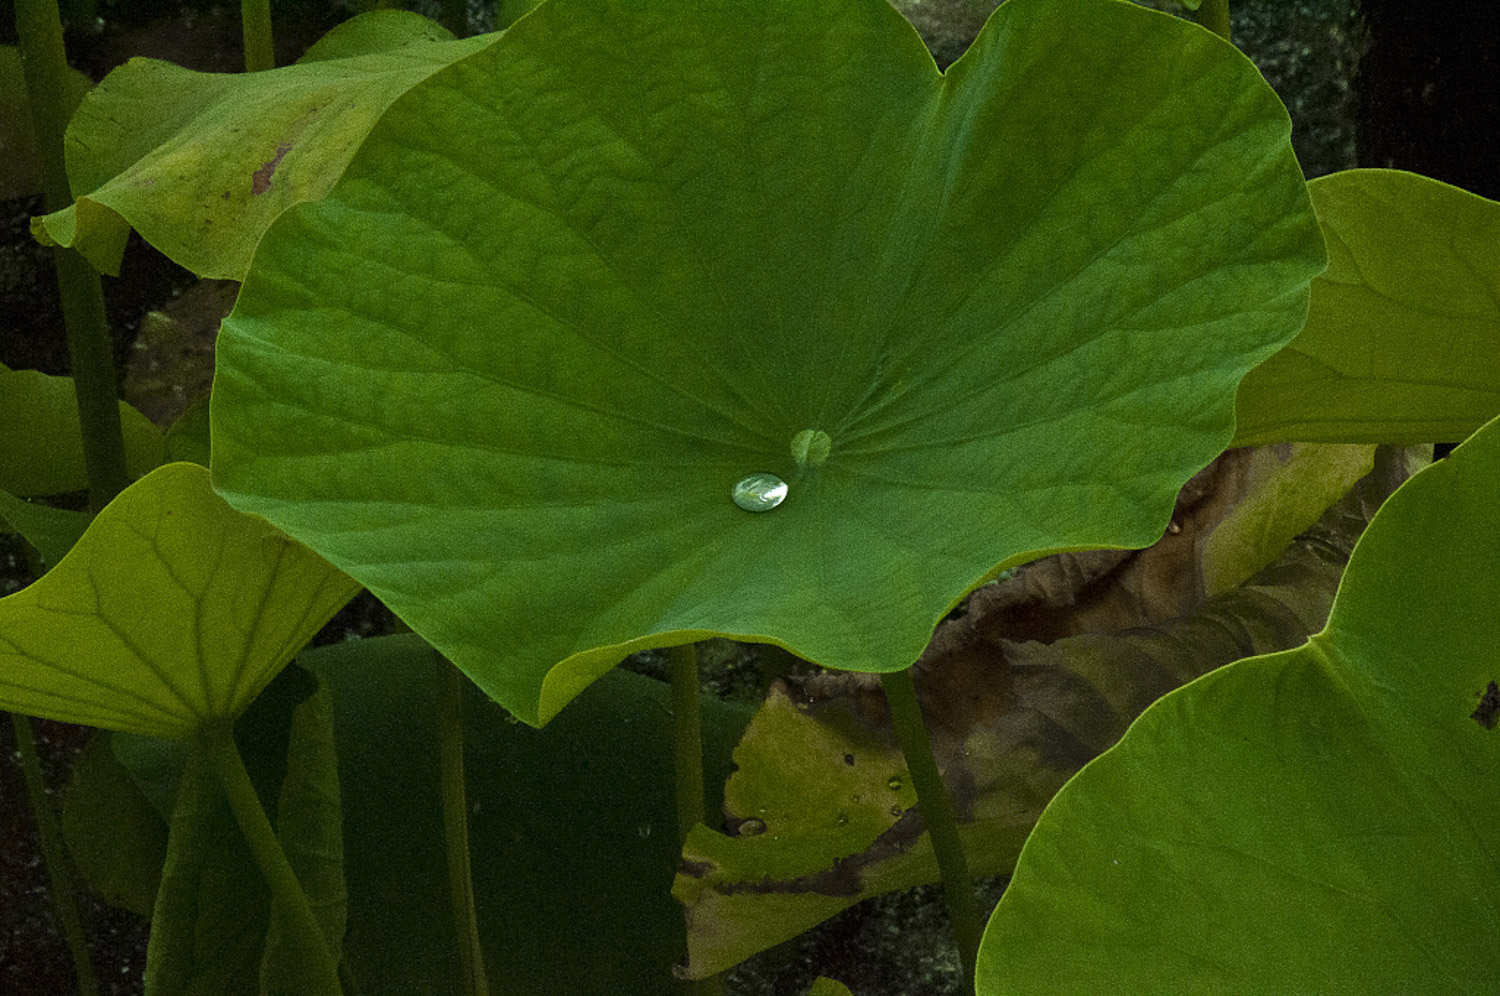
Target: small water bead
[
  {"x": 893, "y": 783},
  {"x": 759, "y": 492},
  {"x": 751, "y": 828},
  {"x": 810, "y": 447}
]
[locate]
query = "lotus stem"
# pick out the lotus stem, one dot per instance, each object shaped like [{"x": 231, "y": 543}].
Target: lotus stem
[
  {"x": 1214, "y": 15},
  {"x": 456, "y": 827},
  {"x": 687, "y": 736},
  {"x": 290, "y": 899},
  {"x": 55, "y": 856},
  {"x": 255, "y": 30},
  {"x": 687, "y": 722},
  {"x": 937, "y": 813},
  {"x": 91, "y": 355}
]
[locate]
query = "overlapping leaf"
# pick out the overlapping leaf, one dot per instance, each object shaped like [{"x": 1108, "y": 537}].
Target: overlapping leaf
[
  {"x": 1321, "y": 818},
  {"x": 173, "y": 610},
  {"x": 819, "y": 810},
  {"x": 577, "y": 285},
  {"x": 1402, "y": 342}
]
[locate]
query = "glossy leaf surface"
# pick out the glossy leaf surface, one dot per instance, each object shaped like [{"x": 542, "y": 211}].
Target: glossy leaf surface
[
  {"x": 1402, "y": 342},
  {"x": 1321, "y": 818},
  {"x": 201, "y": 163},
  {"x": 173, "y": 610},
  {"x": 575, "y": 287}
]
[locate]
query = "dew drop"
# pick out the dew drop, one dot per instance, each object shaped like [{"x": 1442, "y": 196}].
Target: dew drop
[
  {"x": 893, "y": 783},
  {"x": 842, "y": 819},
  {"x": 751, "y": 828},
  {"x": 759, "y": 492}
]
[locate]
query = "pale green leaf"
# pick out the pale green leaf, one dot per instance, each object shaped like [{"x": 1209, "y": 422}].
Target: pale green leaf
[
  {"x": 1402, "y": 343},
  {"x": 172, "y": 611},
  {"x": 201, "y": 163}
]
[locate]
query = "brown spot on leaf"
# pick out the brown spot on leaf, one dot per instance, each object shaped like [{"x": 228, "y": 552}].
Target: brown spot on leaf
[
  {"x": 260, "y": 180},
  {"x": 697, "y": 869},
  {"x": 844, "y": 878},
  {"x": 1487, "y": 714}
]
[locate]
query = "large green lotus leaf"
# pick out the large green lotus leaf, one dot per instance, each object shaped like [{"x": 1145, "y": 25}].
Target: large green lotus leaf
[
  {"x": 173, "y": 610},
  {"x": 576, "y": 286},
  {"x": 41, "y": 448},
  {"x": 1321, "y": 819},
  {"x": 201, "y": 163},
  {"x": 573, "y": 837},
  {"x": 1402, "y": 342}
]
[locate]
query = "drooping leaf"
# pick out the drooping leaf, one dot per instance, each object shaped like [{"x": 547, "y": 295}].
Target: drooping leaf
[
  {"x": 572, "y": 835},
  {"x": 309, "y": 825},
  {"x": 53, "y": 531},
  {"x": 1286, "y": 489},
  {"x": 201, "y": 163},
  {"x": 41, "y": 449},
  {"x": 577, "y": 286},
  {"x": 173, "y": 610},
  {"x": 115, "y": 838},
  {"x": 1402, "y": 342},
  {"x": 1319, "y": 819},
  {"x": 209, "y": 920},
  {"x": 819, "y": 775}
]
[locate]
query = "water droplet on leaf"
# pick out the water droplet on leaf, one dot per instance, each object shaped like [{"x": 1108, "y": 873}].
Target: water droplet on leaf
[
  {"x": 893, "y": 783},
  {"x": 841, "y": 819},
  {"x": 751, "y": 828},
  {"x": 810, "y": 447},
  {"x": 759, "y": 492}
]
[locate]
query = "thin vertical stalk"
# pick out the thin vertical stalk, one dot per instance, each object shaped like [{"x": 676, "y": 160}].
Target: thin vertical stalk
[
  {"x": 291, "y": 900},
  {"x": 255, "y": 32},
  {"x": 1214, "y": 15},
  {"x": 937, "y": 813},
  {"x": 45, "y": 66},
  {"x": 456, "y": 827},
  {"x": 687, "y": 729},
  {"x": 455, "y": 17},
  {"x": 55, "y": 856},
  {"x": 687, "y": 738}
]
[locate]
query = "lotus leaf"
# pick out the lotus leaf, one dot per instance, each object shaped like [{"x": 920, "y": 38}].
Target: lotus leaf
[{"x": 576, "y": 286}]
